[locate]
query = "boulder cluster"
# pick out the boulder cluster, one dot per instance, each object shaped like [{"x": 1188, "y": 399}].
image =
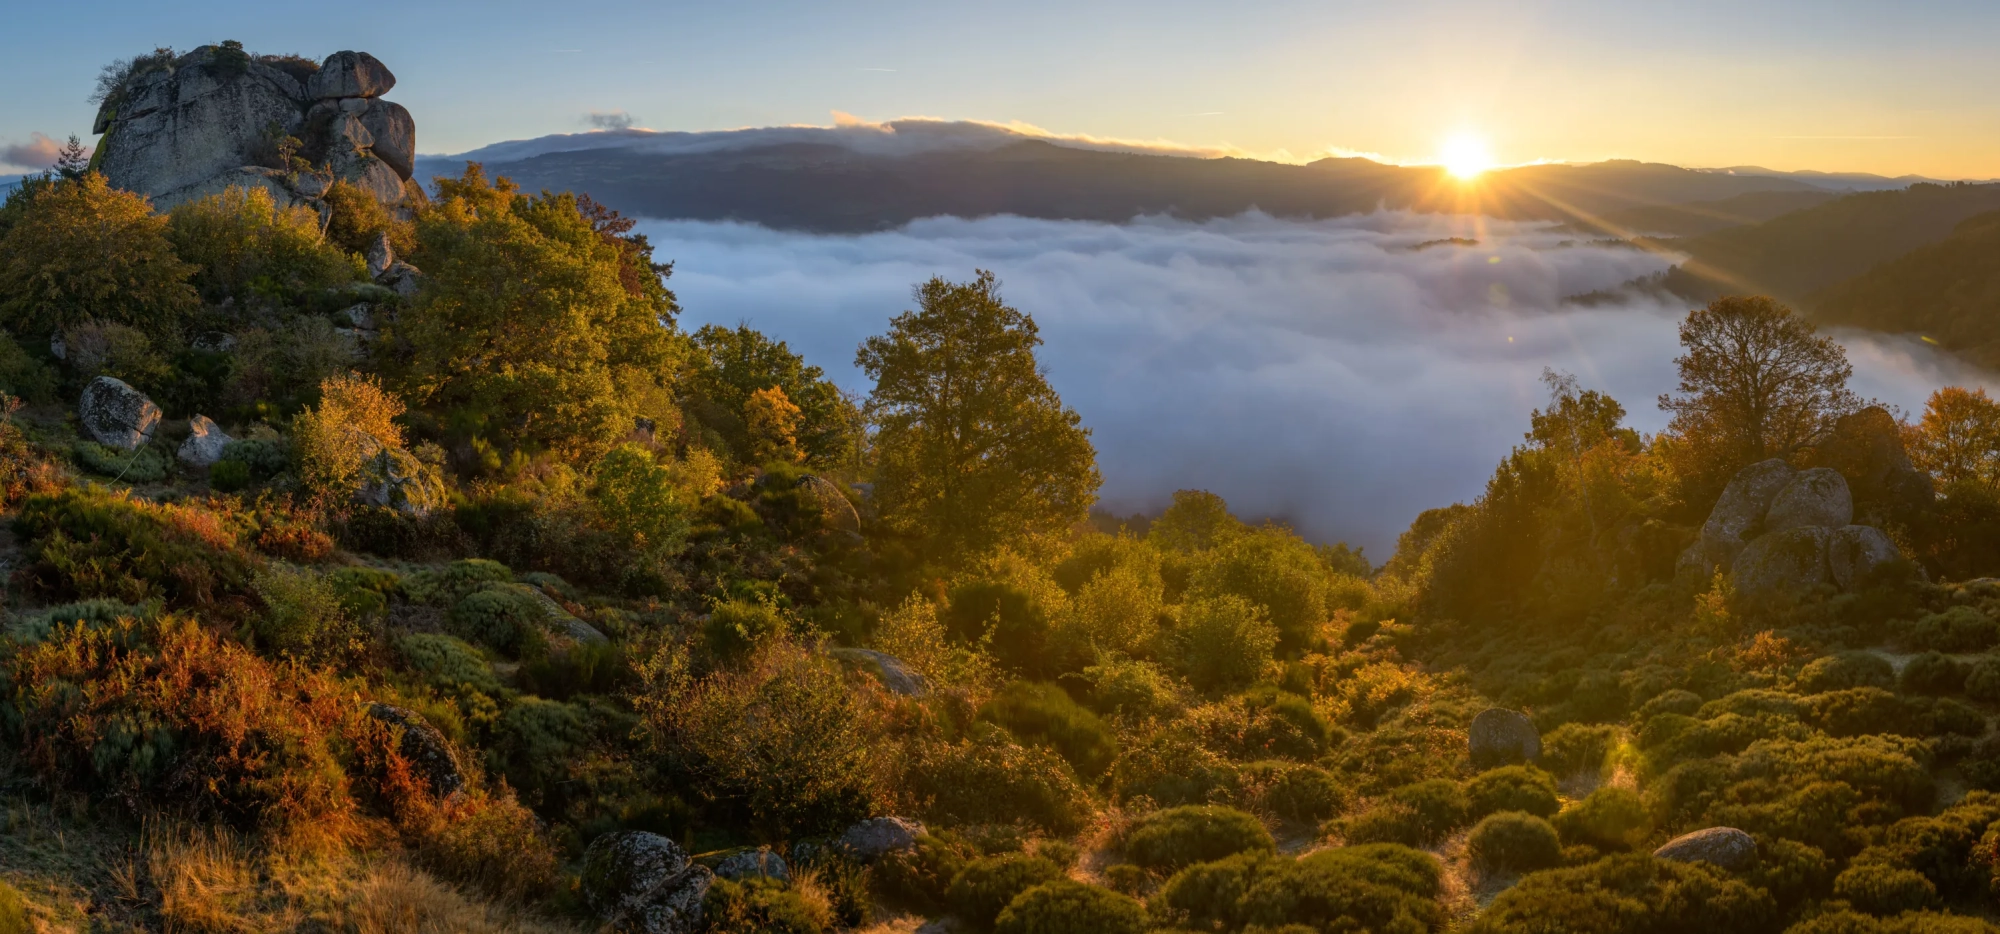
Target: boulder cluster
[
  {"x": 217, "y": 117},
  {"x": 1783, "y": 533}
]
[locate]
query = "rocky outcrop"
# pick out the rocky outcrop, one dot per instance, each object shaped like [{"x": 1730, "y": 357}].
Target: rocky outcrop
[
  {"x": 425, "y": 748},
  {"x": 1499, "y": 736},
  {"x": 1867, "y": 448},
  {"x": 204, "y": 443},
  {"x": 1801, "y": 539},
  {"x": 391, "y": 273},
  {"x": 218, "y": 117},
  {"x": 898, "y": 677},
  {"x": 644, "y": 883},
  {"x": 877, "y": 837},
  {"x": 1723, "y": 847},
  {"x": 393, "y": 478},
  {"x": 116, "y": 415},
  {"x": 752, "y": 863}
]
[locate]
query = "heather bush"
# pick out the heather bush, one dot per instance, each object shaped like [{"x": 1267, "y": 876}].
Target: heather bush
[
  {"x": 1846, "y": 670},
  {"x": 1170, "y": 839},
  {"x": 584, "y": 668},
  {"x": 1958, "y": 629},
  {"x": 757, "y": 905},
  {"x": 1630, "y": 894},
  {"x": 1512, "y": 788},
  {"x": 1417, "y": 814},
  {"x": 1292, "y": 791},
  {"x": 444, "y": 587},
  {"x": 1982, "y": 680},
  {"x": 989, "y": 779},
  {"x": 87, "y": 542},
  {"x": 1884, "y": 890},
  {"x": 1514, "y": 841},
  {"x": 1172, "y": 769},
  {"x": 1931, "y": 673},
  {"x": 1068, "y": 907},
  {"x": 303, "y": 615},
  {"x": 143, "y": 465},
  {"x": 1380, "y": 888},
  {"x": 1580, "y": 747},
  {"x": 985, "y": 886},
  {"x": 505, "y": 618},
  {"x": 1610, "y": 818},
  {"x": 1135, "y": 688},
  {"x": 1044, "y": 713},
  {"x": 448, "y": 663},
  {"x": 534, "y": 744},
  {"x": 1220, "y": 643},
  {"x": 735, "y": 628},
  {"x": 917, "y": 878}
]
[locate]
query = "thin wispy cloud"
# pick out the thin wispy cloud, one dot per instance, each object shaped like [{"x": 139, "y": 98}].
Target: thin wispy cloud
[
  {"x": 38, "y": 153},
  {"x": 610, "y": 120},
  {"x": 1321, "y": 372}
]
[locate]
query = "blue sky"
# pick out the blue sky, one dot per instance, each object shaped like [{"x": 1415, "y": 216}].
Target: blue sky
[{"x": 1857, "y": 86}]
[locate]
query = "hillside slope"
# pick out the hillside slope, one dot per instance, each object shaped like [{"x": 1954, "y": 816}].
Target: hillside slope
[{"x": 1948, "y": 291}]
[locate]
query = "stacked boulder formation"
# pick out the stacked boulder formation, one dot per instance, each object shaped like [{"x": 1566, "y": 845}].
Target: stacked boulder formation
[
  {"x": 215, "y": 117},
  {"x": 1783, "y": 533}
]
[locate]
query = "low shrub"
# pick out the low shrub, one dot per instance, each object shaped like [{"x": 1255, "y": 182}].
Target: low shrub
[
  {"x": 1514, "y": 841},
  {"x": 1884, "y": 890},
  {"x": 87, "y": 542},
  {"x": 1374, "y": 888},
  {"x": 1176, "y": 837},
  {"x": 1791, "y": 871},
  {"x": 1958, "y": 629},
  {"x": 585, "y": 668},
  {"x": 1610, "y": 818},
  {"x": 1137, "y": 688},
  {"x": 444, "y": 587},
  {"x": 1437, "y": 806},
  {"x": 917, "y": 878},
  {"x": 985, "y": 886},
  {"x": 1846, "y": 670},
  {"x": 29, "y": 630},
  {"x": 758, "y": 905},
  {"x": 735, "y": 628},
  {"x": 1931, "y": 673},
  {"x": 1582, "y": 747},
  {"x": 535, "y": 743},
  {"x": 990, "y": 779},
  {"x": 504, "y": 618},
  {"x": 1068, "y": 907},
  {"x": 1221, "y": 643},
  {"x": 364, "y": 592},
  {"x": 144, "y": 465},
  {"x": 303, "y": 615},
  {"x": 1044, "y": 713},
  {"x": 1512, "y": 788},
  {"x": 1292, "y": 792},
  {"x": 1982, "y": 680},
  {"x": 447, "y": 662},
  {"x": 229, "y": 476},
  {"x": 1172, "y": 769},
  {"x": 486, "y": 841},
  {"x": 1631, "y": 893},
  {"x": 258, "y": 460}
]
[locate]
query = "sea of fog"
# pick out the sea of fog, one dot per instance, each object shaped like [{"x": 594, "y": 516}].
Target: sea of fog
[{"x": 1342, "y": 375}]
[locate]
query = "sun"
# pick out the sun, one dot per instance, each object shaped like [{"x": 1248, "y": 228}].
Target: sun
[{"x": 1465, "y": 156}]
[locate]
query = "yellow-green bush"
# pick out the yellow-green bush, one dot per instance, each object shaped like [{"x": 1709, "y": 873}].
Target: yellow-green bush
[
  {"x": 1630, "y": 894},
  {"x": 1177, "y": 837},
  {"x": 758, "y": 905},
  {"x": 1069, "y": 907},
  {"x": 1221, "y": 643},
  {"x": 985, "y": 886},
  {"x": 990, "y": 779},
  {"x": 90, "y": 542},
  {"x": 1044, "y": 713},
  {"x": 1515, "y": 841},
  {"x": 1610, "y": 818},
  {"x": 1512, "y": 788},
  {"x": 1293, "y": 791},
  {"x": 448, "y": 663},
  {"x": 504, "y": 618}
]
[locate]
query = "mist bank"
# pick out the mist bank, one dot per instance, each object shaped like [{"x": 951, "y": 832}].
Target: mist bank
[{"x": 1342, "y": 375}]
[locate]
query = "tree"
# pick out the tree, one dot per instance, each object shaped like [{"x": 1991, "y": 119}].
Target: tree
[
  {"x": 772, "y": 422},
  {"x": 1756, "y": 382},
  {"x": 532, "y": 331},
  {"x": 735, "y": 363},
  {"x": 245, "y": 247},
  {"x": 72, "y": 161},
  {"x": 973, "y": 446},
  {"x": 83, "y": 249},
  {"x": 1958, "y": 440}
]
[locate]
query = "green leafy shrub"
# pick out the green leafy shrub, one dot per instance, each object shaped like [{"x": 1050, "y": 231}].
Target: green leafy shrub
[
  {"x": 1610, "y": 818},
  {"x": 90, "y": 542},
  {"x": 303, "y": 614},
  {"x": 1677, "y": 701},
  {"x": 144, "y": 465},
  {"x": 1292, "y": 791},
  {"x": 990, "y": 779},
  {"x": 364, "y": 592},
  {"x": 1931, "y": 673},
  {"x": 1791, "y": 871},
  {"x": 1068, "y": 907},
  {"x": 1221, "y": 643},
  {"x": 1012, "y": 618},
  {"x": 253, "y": 460},
  {"x": 448, "y": 663},
  {"x": 1177, "y": 837},
  {"x": 1274, "y": 570},
  {"x": 599, "y": 668},
  {"x": 918, "y": 878},
  {"x": 736, "y": 627},
  {"x": 1959, "y": 629},
  {"x": 1982, "y": 680},
  {"x": 1044, "y": 713},
  {"x": 1885, "y": 890},
  {"x": 229, "y": 476},
  {"x": 534, "y": 742},
  {"x": 1374, "y": 888},
  {"x": 444, "y": 587},
  {"x": 1417, "y": 814},
  {"x": 1512, "y": 788},
  {"x": 1514, "y": 841},
  {"x": 985, "y": 886},
  {"x": 757, "y": 905},
  {"x": 22, "y": 375},
  {"x": 1137, "y": 688},
  {"x": 1172, "y": 769},
  {"x": 1860, "y": 711},
  {"x": 1846, "y": 670},
  {"x": 1629, "y": 894},
  {"x": 505, "y": 618},
  {"x": 1581, "y": 747}
]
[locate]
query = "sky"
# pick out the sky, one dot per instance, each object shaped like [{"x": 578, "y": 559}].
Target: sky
[{"x": 1835, "y": 85}]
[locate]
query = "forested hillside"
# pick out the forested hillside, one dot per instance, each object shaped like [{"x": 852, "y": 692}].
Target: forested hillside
[
  {"x": 1947, "y": 291},
  {"x": 409, "y": 567}
]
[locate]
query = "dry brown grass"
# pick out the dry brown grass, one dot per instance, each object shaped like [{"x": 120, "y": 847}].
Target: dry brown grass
[{"x": 394, "y": 898}]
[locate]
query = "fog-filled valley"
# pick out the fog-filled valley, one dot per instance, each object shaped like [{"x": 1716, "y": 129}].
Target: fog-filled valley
[{"x": 1343, "y": 375}]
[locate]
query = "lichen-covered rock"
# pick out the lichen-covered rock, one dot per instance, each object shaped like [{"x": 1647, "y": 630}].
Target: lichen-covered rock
[
  {"x": 898, "y": 677},
  {"x": 170, "y": 132},
  {"x": 204, "y": 443},
  {"x": 401, "y": 278},
  {"x": 645, "y": 883},
  {"x": 116, "y": 415},
  {"x": 381, "y": 255},
  {"x": 753, "y": 862},
  {"x": 350, "y": 74},
  {"x": 562, "y": 620},
  {"x": 1856, "y": 551},
  {"x": 394, "y": 133},
  {"x": 1816, "y": 497},
  {"x": 424, "y": 747},
  {"x": 1867, "y": 448},
  {"x": 1723, "y": 847},
  {"x": 877, "y": 837},
  {"x": 1783, "y": 566},
  {"x": 1737, "y": 514},
  {"x": 395, "y": 479},
  {"x": 1499, "y": 736},
  {"x": 835, "y": 510}
]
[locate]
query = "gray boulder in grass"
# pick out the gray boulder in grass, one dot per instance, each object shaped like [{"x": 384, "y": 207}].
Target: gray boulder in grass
[
  {"x": 757, "y": 861},
  {"x": 1499, "y": 736},
  {"x": 425, "y": 747},
  {"x": 1816, "y": 497},
  {"x": 1736, "y": 515},
  {"x": 116, "y": 415},
  {"x": 877, "y": 837},
  {"x": 1723, "y": 847},
  {"x": 204, "y": 443},
  {"x": 644, "y": 883},
  {"x": 1856, "y": 551},
  {"x": 1784, "y": 565}
]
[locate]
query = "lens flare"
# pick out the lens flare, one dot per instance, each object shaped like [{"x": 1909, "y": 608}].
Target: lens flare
[{"x": 1465, "y": 156}]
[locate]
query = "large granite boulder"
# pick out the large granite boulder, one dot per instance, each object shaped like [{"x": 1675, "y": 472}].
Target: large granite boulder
[
  {"x": 1867, "y": 448},
  {"x": 350, "y": 74},
  {"x": 172, "y": 129},
  {"x": 877, "y": 837},
  {"x": 395, "y": 479},
  {"x": 1854, "y": 552},
  {"x": 1723, "y": 847},
  {"x": 1499, "y": 736},
  {"x": 425, "y": 748},
  {"x": 1784, "y": 566},
  {"x": 394, "y": 133},
  {"x": 753, "y": 862},
  {"x": 116, "y": 415},
  {"x": 1816, "y": 497},
  {"x": 204, "y": 443},
  {"x": 644, "y": 883},
  {"x": 1736, "y": 518}
]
